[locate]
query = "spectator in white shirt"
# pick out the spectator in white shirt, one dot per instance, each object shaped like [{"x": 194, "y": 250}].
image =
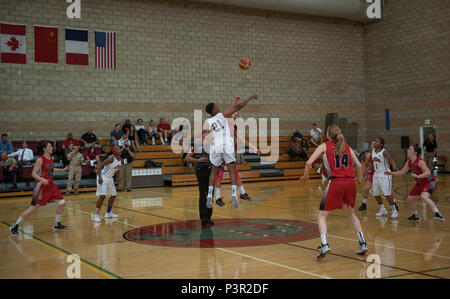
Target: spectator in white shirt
[
  {"x": 24, "y": 155},
  {"x": 316, "y": 135}
]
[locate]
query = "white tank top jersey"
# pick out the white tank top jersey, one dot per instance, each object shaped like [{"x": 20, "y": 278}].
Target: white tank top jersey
[
  {"x": 220, "y": 130},
  {"x": 111, "y": 169},
  {"x": 379, "y": 163}
]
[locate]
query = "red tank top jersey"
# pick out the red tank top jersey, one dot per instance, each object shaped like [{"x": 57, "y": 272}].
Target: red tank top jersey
[
  {"x": 340, "y": 166},
  {"x": 414, "y": 168},
  {"x": 47, "y": 167}
]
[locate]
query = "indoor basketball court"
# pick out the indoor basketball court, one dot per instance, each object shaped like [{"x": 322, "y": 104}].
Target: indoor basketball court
[{"x": 128, "y": 91}]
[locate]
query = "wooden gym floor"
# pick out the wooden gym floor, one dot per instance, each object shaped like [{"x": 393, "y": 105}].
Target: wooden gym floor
[{"x": 406, "y": 250}]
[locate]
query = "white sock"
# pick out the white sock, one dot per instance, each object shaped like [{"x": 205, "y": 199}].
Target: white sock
[
  {"x": 382, "y": 207},
  {"x": 210, "y": 191},
  {"x": 323, "y": 237},
  {"x": 393, "y": 207},
  {"x": 57, "y": 218},
  {"x": 436, "y": 210},
  {"x": 233, "y": 190},
  {"x": 361, "y": 237},
  {"x": 162, "y": 140},
  {"x": 217, "y": 193},
  {"x": 19, "y": 220},
  {"x": 416, "y": 213},
  {"x": 153, "y": 140},
  {"x": 241, "y": 189},
  {"x": 364, "y": 200}
]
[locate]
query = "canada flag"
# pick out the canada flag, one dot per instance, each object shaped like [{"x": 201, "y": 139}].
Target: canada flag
[{"x": 13, "y": 46}]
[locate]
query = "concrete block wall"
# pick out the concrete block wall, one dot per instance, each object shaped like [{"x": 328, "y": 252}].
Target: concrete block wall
[
  {"x": 177, "y": 56},
  {"x": 407, "y": 70}
]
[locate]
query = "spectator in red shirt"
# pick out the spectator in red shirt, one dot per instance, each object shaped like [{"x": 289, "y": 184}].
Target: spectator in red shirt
[
  {"x": 91, "y": 155},
  {"x": 70, "y": 140},
  {"x": 164, "y": 128}
]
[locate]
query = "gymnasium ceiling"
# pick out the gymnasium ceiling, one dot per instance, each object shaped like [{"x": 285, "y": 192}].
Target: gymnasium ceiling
[{"x": 354, "y": 10}]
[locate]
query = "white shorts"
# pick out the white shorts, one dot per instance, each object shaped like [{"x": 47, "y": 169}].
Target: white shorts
[
  {"x": 107, "y": 187},
  {"x": 382, "y": 185},
  {"x": 217, "y": 159}
]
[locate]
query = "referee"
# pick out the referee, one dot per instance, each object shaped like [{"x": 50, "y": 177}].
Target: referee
[{"x": 202, "y": 171}]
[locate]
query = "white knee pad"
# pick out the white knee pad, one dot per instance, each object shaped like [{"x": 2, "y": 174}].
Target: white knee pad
[{"x": 61, "y": 202}]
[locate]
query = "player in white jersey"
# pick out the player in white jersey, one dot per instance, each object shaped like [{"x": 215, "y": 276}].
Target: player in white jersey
[
  {"x": 222, "y": 145},
  {"x": 105, "y": 182},
  {"x": 382, "y": 183}
]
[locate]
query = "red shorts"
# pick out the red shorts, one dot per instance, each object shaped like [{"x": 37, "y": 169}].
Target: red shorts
[
  {"x": 419, "y": 187},
  {"x": 43, "y": 194},
  {"x": 338, "y": 192}
]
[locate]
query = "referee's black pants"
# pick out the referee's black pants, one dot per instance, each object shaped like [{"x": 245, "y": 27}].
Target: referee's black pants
[{"x": 203, "y": 173}]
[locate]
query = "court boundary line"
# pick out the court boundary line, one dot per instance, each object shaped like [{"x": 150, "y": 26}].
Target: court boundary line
[
  {"x": 91, "y": 266},
  {"x": 365, "y": 261},
  {"x": 436, "y": 269}
]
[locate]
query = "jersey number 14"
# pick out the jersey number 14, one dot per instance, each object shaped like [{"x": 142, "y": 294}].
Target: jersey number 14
[{"x": 341, "y": 161}]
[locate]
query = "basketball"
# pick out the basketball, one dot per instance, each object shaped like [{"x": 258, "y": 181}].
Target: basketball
[{"x": 244, "y": 63}]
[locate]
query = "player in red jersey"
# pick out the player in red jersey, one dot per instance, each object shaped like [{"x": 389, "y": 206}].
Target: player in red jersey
[
  {"x": 425, "y": 185},
  {"x": 338, "y": 159},
  {"x": 368, "y": 172},
  {"x": 45, "y": 190}
]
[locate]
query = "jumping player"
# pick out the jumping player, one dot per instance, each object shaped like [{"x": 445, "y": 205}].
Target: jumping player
[
  {"x": 45, "y": 190},
  {"x": 425, "y": 185},
  {"x": 222, "y": 146},
  {"x": 243, "y": 194},
  {"x": 338, "y": 159},
  {"x": 368, "y": 171},
  {"x": 382, "y": 183},
  {"x": 105, "y": 182}
]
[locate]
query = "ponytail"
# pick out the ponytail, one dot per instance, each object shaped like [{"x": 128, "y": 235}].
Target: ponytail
[{"x": 338, "y": 138}]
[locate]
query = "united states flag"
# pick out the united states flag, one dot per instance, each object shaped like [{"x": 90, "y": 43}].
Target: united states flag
[{"x": 105, "y": 50}]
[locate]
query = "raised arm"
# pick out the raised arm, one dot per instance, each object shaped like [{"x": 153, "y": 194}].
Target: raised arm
[{"x": 238, "y": 106}]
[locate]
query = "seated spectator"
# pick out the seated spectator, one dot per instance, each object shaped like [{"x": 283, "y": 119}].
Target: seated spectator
[
  {"x": 298, "y": 134},
  {"x": 126, "y": 126},
  {"x": 25, "y": 155},
  {"x": 142, "y": 132},
  {"x": 10, "y": 166},
  {"x": 153, "y": 131},
  {"x": 164, "y": 129},
  {"x": 294, "y": 148},
  {"x": 89, "y": 139},
  {"x": 304, "y": 149},
  {"x": 316, "y": 135},
  {"x": 116, "y": 134},
  {"x": 134, "y": 138},
  {"x": 69, "y": 140},
  {"x": 123, "y": 140},
  {"x": 91, "y": 156},
  {"x": 5, "y": 144}
]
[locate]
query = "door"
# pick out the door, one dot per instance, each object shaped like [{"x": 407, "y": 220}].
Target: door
[{"x": 424, "y": 132}]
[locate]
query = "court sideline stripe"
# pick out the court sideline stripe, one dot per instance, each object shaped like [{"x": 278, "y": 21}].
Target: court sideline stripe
[
  {"x": 65, "y": 253},
  {"x": 357, "y": 259}
]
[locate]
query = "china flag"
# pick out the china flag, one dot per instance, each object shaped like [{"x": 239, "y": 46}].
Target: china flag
[
  {"x": 13, "y": 44},
  {"x": 46, "y": 44}
]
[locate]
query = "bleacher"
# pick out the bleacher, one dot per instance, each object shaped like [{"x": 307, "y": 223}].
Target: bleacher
[{"x": 256, "y": 167}]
